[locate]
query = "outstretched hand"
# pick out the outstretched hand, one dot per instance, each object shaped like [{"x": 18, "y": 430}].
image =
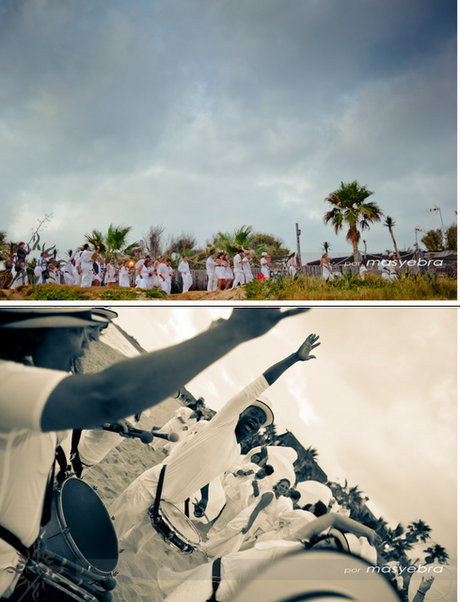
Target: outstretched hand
[
  {"x": 310, "y": 343},
  {"x": 253, "y": 323}
]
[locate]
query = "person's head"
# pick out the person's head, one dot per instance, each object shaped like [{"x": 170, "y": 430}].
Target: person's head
[
  {"x": 212, "y": 253},
  {"x": 266, "y": 471},
  {"x": 22, "y": 244},
  {"x": 241, "y": 252},
  {"x": 318, "y": 509},
  {"x": 49, "y": 337},
  {"x": 294, "y": 495},
  {"x": 197, "y": 414},
  {"x": 112, "y": 261},
  {"x": 100, "y": 260},
  {"x": 282, "y": 487},
  {"x": 147, "y": 263},
  {"x": 85, "y": 246},
  {"x": 257, "y": 415}
]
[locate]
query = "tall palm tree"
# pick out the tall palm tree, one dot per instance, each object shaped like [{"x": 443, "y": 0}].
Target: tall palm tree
[
  {"x": 350, "y": 206},
  {"x": 436, "y": 552},
  {"x": 390, "y": 224},
  {"x": 418, "y": 530},
  {"x": 326, "y": 247}
]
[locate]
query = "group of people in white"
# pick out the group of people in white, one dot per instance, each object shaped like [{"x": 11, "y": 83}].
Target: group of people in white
[
  {"x": 86, "y": 268},
  {"x": 222, "y": 276},
  {"x": 388, "y": 267},
  {"x": 254, "y": 523}
]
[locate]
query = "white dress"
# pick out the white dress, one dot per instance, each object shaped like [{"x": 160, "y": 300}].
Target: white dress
[
  {"x": 123, "y": 277},
  {"x": 109, "y": 277},
  {"x": 264, "y": 268}
]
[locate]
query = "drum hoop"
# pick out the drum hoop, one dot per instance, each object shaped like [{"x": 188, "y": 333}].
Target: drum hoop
[
  {"x": 66, "y": 530},
  {"x": 173, "y": 529}
]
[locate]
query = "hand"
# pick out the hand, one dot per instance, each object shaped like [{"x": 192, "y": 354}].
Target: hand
[
  {"x": 124, "y": 424},
  {"x": 425, "y": 585},
  {"x": 200, "y": 508},
  {"x": 303, "y": 353},
  {"x": 253, "y": 323}
]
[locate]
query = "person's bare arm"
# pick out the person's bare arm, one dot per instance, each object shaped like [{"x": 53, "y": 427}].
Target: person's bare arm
[
  {"x": 133, "y": 385},
  {"x": 265, "y": 500},
  {"x": 301, "y": 355},
  {"x": 333, "y": 520}
]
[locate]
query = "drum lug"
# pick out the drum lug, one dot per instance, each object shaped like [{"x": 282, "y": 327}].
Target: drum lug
[
  {"x": 169, "y": 536},
  {"x": 95, "y": 487}
]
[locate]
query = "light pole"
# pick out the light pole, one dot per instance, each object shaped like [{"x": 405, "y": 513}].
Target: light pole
[
  {"x": 298, "y": 233},
  {"x": 416, "y": 230},
  {"x": 436, "y": 208}
]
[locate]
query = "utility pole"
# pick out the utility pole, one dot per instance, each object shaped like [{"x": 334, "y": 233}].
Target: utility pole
[{"x": 299, "y": 256}]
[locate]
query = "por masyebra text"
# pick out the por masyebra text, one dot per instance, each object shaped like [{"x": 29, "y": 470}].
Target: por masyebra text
[
  {"x": 399, "y": 569},
  {"x": 407, "y": 262}
]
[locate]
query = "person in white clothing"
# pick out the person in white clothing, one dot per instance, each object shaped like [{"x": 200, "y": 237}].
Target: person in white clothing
[
  {"x": 109, "y": 276},
  {"x": 184, "y": 270},
  {"x": 196, "y": 585},
  {"x": 77, "y": 270},
  {"x": 144, "y": 278},
  {"x": 39, "y": 397},
  {"x": 69, "y": 268},
  {"x": 174, "y": 425},
  {"x": 202, "y": 458},
  {"x": 164, "y": 276},
  {"x": 238, "y": 269},
  {"x": 123, "y": 272},
  {"x": 87, "y": 257},
  {"x": 326, "y": 265},
  {"x": 211, "y": 271},
  {"x": 246, "y": 261},
  {"x": 41, "y": 269},
  {"x": 363, "y": 269},
  {"x": 264, "y": 262},
  {"x": 293, "y": 269}
]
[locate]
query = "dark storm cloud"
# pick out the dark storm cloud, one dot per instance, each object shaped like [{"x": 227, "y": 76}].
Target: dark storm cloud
[{"x": 249, "y": 112}]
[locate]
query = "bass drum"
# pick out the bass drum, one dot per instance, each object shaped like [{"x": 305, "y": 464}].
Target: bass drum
[
  {"x": 317, "y": 576},
  {"x": 80, "y": 528}
]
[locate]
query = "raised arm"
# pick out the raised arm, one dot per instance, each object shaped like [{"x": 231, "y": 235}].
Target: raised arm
[
  {"x": 301, "y": 355},
  {"x": 133, "y": 385},
  {"x": 333, "y": 520}
]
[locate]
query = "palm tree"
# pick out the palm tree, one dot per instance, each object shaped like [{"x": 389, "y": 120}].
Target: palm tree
[
  {"x": 311, "y": 454},
  {"x": 436, "y": 552},
  {"x": 326, "y": 247},
  {"x": 232, "y": 242},
  {"x": 350, "y": 205},
  {"x": 390, "y": 224},
  {"x": 418, "y": 530}
]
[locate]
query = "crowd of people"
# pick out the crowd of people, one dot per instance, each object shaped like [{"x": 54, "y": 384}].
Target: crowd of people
[
  {"x": 86, "y": 268},
  {"x": 44, "y": 394}
]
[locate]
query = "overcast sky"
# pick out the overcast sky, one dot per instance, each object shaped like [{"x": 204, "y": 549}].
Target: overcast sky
[
  {"x": 205, "y": 115},
  {"x": 378, "y": 403}
]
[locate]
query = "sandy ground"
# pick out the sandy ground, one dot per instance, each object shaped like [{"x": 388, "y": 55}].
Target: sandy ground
[
  {"x": 136, "y": 573},
  {"x": 94, "y": 293}
]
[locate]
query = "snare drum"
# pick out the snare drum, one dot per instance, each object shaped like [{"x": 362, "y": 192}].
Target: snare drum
[
  {"x": 175, "y": 528},
  {"x": 80, "y": 528}
]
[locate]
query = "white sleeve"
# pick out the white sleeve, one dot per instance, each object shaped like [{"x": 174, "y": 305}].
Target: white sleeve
[
  {"x": 24, "y": 392},
  {"x": 239, "y": 402}
]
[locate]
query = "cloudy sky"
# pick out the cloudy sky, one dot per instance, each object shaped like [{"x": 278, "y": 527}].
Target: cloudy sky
[
  {"x": 205, "y": 115},
  {"x": 378, "y": 403}
]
